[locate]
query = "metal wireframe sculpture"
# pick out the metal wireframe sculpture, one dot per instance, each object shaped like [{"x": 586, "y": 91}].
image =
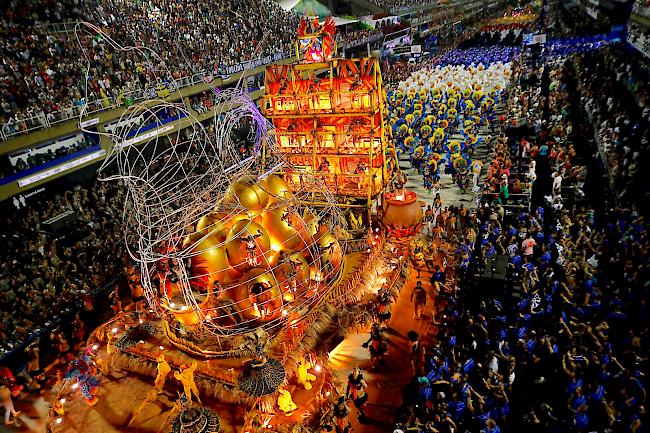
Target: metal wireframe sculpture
[{"x": 225, "y": 245}]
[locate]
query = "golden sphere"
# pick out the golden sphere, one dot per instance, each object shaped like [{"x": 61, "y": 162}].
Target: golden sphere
[
  {"x": 251, "y": 306},
  {"x": 283, "y": 236},
  {"x": 307, "y": 226},
  {"x": 249, "y": 193},
  {"x": 278, "y": 188},
  {"x": 210, "y": 262},
  {"x": 215, "y": 225},
  {"x": 205, "y": 221},
  {"x": 236, "y": 247}
]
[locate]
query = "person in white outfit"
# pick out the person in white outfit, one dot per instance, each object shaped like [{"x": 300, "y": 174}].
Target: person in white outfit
[
  {"x": 557, "y": 182},
  {"x": 8, "y": 404}
]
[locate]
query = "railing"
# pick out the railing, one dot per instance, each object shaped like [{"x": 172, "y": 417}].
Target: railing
[
  {"x": 408, "y": 8},
  {"x": 47, "y": 120},
  {"x": 365, "y": 40},
  {"x": 65, "y": 27}
]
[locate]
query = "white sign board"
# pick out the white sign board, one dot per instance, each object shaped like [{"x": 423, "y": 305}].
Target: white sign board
[
  {"x": 89, "y": 122},
  {"x": 539, "y": 38}
]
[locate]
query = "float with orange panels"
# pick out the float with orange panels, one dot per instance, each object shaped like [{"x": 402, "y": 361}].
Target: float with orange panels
[{"x": 329, "y": 116}]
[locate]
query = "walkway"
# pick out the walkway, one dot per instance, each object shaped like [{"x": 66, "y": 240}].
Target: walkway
[{"x": 386, "y": 382}]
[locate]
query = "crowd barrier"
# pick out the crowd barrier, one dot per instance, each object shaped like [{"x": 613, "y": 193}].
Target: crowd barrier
[{"x": 362, "y": 41}]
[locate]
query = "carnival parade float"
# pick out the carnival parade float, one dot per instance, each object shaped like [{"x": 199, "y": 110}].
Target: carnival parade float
[
  {"x": 249, "y": 276},
  {"x": 329, "y": 116}
]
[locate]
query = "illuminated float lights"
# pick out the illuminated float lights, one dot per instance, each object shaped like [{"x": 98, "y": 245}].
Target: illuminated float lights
[
  {"x": 302, "y": 106},
  {"x": 334, "y": 120},
  {"x": 346, "y": 151}
]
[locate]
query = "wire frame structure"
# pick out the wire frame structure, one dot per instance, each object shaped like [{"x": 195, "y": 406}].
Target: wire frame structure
[{"x": 224, "y": 245}]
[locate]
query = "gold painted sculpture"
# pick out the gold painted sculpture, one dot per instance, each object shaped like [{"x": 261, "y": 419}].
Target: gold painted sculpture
[
  {"x": 163, "y": 371},
  {"x": 186, "y": 378},
  {"x": 285, "y": 401},
  {"x": 304, "y": 377}
]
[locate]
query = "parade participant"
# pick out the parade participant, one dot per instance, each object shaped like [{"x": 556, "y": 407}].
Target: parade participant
[
  {"x": 419, "y": 299},
  {"x": 290, "y": 271},
  {"x": 356, "y": 391},
  {"x": 116, "y": 302},
  {"x": 84, "y": 370},
  {"x": 340, "y": 413},
  {"x": 360, "y": 171},
  {"x": 383, "y": 305},
  {"x": 251, "y": 247},
  {"x": 8, "y": 404},
  {"x": 417, "y": 353},
  {"x": 59, "y": 341},
  {"x": 285, "y": 401},
  {"x": 376, "y": 345},
  {"x": 263, "y": 297},
  {"x": 163, "y": 370},
  {"x": 429, "y": 220},
  {"x": 79, "y": 331},
  {"x": 304, "y": 377},
  {"x": 437, "y": 280},
  {"x": 477, "y": 167},
  {"x": 225, "y": 307},
  {"x": 437, "y": 209},
  {"x": 32, "y": 371}
]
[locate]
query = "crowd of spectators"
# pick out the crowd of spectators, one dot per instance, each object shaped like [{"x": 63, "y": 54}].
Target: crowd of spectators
[
  {"x": 34, "y": 159},
  {"x": 570, "y": 352},
  {"x": 393, "y": 72},
  {"x": 486, "y": 38},
  {"x": 351, "y": 39},
  {"x": 614, "y": 94},
  {"x": 43, "y": 74},
  {"x": 402, "y": 5},
  {"x": 44, "y": 277}
]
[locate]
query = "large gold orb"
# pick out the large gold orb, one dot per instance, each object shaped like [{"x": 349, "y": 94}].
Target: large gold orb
[
  {"x": 236, "y": 248},
  {"x": 278, "y": 188},
  {"x": 307, "y": 226},
  {"x": 215, "y": 224},
  {"x": 249, "y": 193},
  {"x": 205, "y": 221},
  {"x": 247, "y": 303},
  {"x": 211, "y": 261},
  {"x": 283, "y": 236}
]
